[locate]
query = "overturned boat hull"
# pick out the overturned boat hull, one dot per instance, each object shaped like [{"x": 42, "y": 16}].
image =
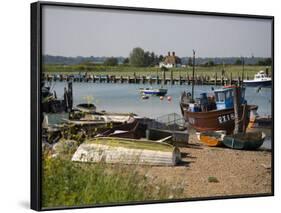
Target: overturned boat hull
[{"x": 127, "y": 151}]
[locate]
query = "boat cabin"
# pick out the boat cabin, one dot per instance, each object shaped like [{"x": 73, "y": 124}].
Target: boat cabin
[
  {"x": 224, "y": 98},
  {"x": 261, "y": 75}
]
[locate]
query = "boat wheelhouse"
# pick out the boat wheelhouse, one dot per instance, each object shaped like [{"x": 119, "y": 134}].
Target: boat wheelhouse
[{"x": 224, "y": 97}]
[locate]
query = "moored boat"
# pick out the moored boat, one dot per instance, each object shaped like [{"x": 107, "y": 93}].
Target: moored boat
[
  {"x": 215, "y": 112},
  {"x": 257, "y": 121},
  {"x": 244, "y": 141},
  {"x": 157, "y": 92},
  {"x": 261, "y": 79},
  {"x": 212, "y": 138}
]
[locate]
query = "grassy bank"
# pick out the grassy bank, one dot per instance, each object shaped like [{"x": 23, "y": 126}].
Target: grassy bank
[
  {"x": 66, "y": 183},
  {"x": 235, "y": 70}
]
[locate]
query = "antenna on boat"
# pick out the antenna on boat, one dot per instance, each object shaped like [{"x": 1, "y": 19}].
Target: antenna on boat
[{"x": 193, "y": 69}]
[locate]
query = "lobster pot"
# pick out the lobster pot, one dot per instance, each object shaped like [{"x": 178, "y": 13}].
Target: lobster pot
[{"x": 131, "y": 154}]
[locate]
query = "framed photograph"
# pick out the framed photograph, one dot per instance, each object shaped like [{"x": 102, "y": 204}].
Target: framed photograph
[{"x": 139, "y": 105}]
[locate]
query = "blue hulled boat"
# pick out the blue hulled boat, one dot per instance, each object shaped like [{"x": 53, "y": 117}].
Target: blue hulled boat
[{"x": 158, "y": 92}]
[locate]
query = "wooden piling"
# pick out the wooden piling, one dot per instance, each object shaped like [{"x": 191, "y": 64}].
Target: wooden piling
[
  {"x": 216, "y": 76},
  {"x": 172, "y": 78},
  {"x": 188, "y": 80},
  {"x": 164, "y": 77},
  {"x": 239, "y": 81},
  {"x": 237, "y": 110}
]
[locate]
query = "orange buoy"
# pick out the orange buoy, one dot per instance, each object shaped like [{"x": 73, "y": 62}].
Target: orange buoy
[{"x": 161, "y": 98}]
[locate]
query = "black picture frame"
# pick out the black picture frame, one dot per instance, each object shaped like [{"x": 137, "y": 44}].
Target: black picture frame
[{"x": 36, "y": 67}]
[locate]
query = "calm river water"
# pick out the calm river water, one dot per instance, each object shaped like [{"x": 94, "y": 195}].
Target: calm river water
[{"x": 126, "y": 97}]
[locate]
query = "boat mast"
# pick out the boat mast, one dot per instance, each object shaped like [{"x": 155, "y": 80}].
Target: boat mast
[
  {"x": 193, "y": 69},
  {"x": 243, "y": 63}
]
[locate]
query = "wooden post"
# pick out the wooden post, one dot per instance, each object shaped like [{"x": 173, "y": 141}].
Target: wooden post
[
  {"x": 172, "y": 78},
  {"x": 135, "y": 78},
  {"x": 237, "y": 110},
  {"x": 193, "y": 70},
  {"x": 180, "y": 80},
  {"x": 230, "y": 78},
  {"x": 164, "y": 77},
  {"x": 157, "y": 79},
  {"x": 216, "y": 76},
  {"x": 239, "y": 80},
  {"x": 143, "y": 79}
]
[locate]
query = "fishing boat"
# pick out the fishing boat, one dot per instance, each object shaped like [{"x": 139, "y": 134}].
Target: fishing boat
[
  {"x": 157, "y": 92},
  {"x": 214, "y": 111},
  {"x": 245, "y": 141},
  {"x": 127, "y": 151},
  {"x": 261, "y": 79},
  {"x": 212, "y": 138}
]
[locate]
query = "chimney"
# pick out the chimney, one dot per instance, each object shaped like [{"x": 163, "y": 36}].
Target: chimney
[
  {"x": 173, "y": 53},
  {"x": 168, "y": 53}
]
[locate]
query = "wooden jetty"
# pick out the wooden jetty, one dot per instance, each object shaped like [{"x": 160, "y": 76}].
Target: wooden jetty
[{"x": 159, "y": 79}]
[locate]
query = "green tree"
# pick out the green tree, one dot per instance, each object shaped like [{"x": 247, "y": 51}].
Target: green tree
[
  {"x": 161, "y": 58},
  {"x": 238, "y": 61},
  {"x": 138, "y": 57},
  {"x": 189, "y": 62},
  {"x": 111, "y": 61},
  {"x": 265, "y": 62},
  {"x": 126, "y": 61}
]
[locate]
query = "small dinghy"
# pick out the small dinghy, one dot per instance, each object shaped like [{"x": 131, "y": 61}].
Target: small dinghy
[
  {"x": 246, "y": 141},
  {"x": 127, "y": 151},
  {"x": 86, "y": 107},
  {"x": 157, "y": 92},
  {"x": 212, "y": 138}
]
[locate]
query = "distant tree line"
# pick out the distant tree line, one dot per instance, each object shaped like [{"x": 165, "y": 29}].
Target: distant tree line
[
  {"x": 142, "y": 58},
  {"x": 111, "y": 61}
]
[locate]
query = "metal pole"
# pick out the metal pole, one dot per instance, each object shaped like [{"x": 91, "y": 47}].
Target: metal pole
[
  {"x": 193, "y": 70},
  {"x": 243, "y": 62}
]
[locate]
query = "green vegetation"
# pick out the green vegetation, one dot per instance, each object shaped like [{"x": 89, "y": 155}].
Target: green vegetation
[
  {"x": 111, "y": 61},
  {"x": 66, "y": 183},
  {"x": 140, "y": 58},
  {"x": 127, "y": 70},
  {"x": 212, "y": 179}
]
